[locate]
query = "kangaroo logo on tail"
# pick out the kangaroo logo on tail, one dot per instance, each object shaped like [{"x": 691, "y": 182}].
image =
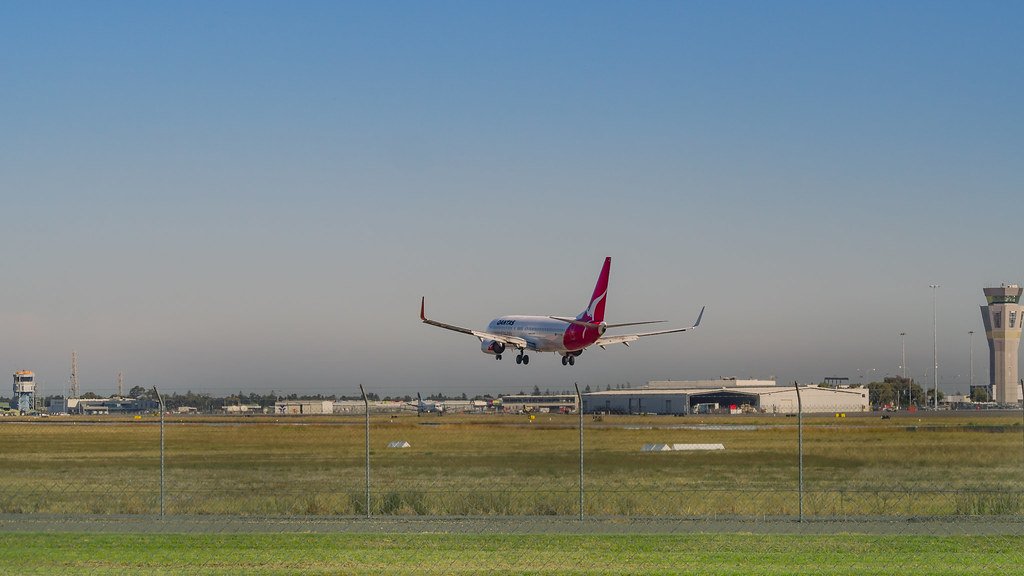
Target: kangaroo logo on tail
[{"x": 595, "y": 311}]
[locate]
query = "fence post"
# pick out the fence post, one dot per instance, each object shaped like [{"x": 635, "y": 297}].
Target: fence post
[
  {"x": 579, "y": 410},
  {"x": 366, "y": 405},
  {"x": 800, "y": 446},
  {"x": 160, "y": 400}
]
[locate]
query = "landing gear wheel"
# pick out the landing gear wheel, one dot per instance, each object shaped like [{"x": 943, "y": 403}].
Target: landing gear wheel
[
  {"x": 572, "y": 360},
  {"x": 497, "y": 356},
  {"x": 565, "y": 360},
  {"x": 526, "y": 359},
  {"x": 519, "y": 359}
]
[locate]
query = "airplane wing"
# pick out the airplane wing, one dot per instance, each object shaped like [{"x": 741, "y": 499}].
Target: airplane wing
[
  {"x": 507, "y": 340},
  {"x": 625, "y": 339}
]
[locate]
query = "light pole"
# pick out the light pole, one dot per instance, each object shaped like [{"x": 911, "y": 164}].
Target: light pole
[
  {"x": 971, "y": 333},
  {"x": 903, "y": 355},
  {"x": 935, "y": 348},
  {"x": 903, "y": 363}
]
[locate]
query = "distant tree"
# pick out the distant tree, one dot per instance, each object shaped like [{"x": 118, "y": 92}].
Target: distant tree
[
  {"x": 536, "y": 390},
  {"x": 893, "y": 390},
  {"x": 587, "y": 389},
  {"x": 980, "y": 394},
  {"x": 89, "y": 395},
  {"x": 137, "y": 392}
]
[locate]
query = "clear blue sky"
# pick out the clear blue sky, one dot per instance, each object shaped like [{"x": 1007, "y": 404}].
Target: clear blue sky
[{"x": 254, "y": 195}]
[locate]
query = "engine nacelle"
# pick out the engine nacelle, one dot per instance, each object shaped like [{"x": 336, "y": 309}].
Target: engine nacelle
[{"x": 492, "y": 347}]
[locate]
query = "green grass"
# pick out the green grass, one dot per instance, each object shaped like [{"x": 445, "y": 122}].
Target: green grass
[
  {"x": 938, "y": 464},
  {"x": 711, "y": 554}
]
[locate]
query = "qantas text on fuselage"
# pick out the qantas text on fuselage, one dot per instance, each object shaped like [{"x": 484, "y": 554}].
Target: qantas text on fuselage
[{"x": 561, "y": 335}]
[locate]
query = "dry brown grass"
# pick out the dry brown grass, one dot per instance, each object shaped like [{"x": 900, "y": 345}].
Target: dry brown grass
[{"x": 954, "y": 463}]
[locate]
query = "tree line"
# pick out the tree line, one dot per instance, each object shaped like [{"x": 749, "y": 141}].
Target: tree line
[{"x": 899, "y": 391}]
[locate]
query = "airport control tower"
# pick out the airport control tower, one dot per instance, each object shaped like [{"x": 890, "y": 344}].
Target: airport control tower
[
  {"x": 24, "y": 390},
  {"x": 1003, "y": 318}
]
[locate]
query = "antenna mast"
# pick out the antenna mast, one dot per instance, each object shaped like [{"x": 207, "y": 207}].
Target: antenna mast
[{"x": 73, "y": 391}]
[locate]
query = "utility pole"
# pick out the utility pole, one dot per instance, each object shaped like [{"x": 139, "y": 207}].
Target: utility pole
[{"x": 935, "y": 347}]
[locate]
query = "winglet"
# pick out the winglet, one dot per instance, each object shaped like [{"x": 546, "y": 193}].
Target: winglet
[
  {"x": 699, "y": 316},
  {"x": 423, "y": 305}
]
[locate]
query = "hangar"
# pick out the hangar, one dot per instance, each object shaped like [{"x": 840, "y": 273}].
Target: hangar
[{"x": 726, "y": 396}]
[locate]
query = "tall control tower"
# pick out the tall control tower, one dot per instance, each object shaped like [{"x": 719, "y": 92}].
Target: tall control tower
[
  {"x": 1003, "y": 318},
  {"x": 24, "y": 390}
]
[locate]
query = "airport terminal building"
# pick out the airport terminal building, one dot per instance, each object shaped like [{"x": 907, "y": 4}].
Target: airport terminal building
[{"x": 724, "y": 396}]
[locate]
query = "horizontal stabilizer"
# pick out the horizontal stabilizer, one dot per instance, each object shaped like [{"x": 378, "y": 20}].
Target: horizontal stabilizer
[
  {"x": 574, "y": 321},
  {"x": 636, "y": 323}
]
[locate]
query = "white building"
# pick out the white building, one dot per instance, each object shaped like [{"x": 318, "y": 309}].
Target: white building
[
  {"x": 517, "y": 403},
  {"x": 724, "y": 396},
  {"x": 96, "y": 406},
  {"x": 303, "y": 407},
  {"x": 236, "y": 409}
]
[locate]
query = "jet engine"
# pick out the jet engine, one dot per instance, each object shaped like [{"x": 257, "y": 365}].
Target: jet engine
[{"x": 492, "y": 347}]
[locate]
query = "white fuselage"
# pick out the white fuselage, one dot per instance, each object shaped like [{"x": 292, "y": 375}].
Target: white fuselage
[
  {"x": 544, "y": 334},
  {"x": 541, "y": 333}
]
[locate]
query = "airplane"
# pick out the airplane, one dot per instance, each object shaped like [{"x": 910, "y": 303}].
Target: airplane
[
  {"x": 428, "y": 407},
  {"x": 562, "y": 335}
]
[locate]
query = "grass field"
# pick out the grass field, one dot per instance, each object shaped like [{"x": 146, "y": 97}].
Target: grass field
[
  {"x": 910, "y": 465},
  {"x": 711, "y": 554}
]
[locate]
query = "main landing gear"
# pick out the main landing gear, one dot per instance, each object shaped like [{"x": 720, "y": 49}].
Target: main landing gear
[
  {"x": 522, "y": 358},
  {"x": 568, "y": 360}
]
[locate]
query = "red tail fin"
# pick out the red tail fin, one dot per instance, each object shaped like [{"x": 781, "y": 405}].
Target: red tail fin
[{"x": 595, "y": 311}]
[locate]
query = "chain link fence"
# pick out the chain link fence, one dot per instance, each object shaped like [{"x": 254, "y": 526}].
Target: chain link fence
[{"x": 927, "y": 492}]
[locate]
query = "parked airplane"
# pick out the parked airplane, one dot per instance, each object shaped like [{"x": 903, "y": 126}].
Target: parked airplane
[{"x": 561, "y": 335}]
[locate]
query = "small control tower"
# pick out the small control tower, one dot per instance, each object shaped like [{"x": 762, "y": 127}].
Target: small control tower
[
  {"x": 24, "y": 390},
  {"x": 1003, "y": 318}
]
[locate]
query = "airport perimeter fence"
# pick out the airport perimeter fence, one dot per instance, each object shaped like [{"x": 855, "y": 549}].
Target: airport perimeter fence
[{"x": 640, "y": 489}]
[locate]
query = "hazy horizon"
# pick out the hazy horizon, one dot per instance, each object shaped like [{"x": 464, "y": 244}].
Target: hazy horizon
[{"x": 255, "y": 195}]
